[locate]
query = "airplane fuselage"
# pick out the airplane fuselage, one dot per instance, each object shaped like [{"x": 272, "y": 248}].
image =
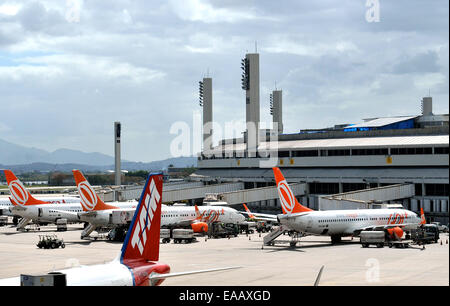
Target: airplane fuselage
[
  {"x": 348, "y": 222},
  {"x": 173, "y": 215},
  {"x": 53, "y": 212},
  {"x": 5, "y": 203},
  {"x": 110, "y": 274}
]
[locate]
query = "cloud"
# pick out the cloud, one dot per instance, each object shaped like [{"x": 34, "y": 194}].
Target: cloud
[
  {"x": 65, "y": 82},
  {"x": 9, "y": 9},
  {"x": 420, "y": 63},
  {"x": 200, "y": 10}
]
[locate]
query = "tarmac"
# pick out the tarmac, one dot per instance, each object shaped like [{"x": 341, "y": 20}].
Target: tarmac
[{"x": 345, "y": 264}]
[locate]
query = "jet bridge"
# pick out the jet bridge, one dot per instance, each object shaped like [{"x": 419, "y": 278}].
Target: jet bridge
[
  {"x": 258, "y": 194},
  {"x": 180, "y": 192},
  {"x": 366, "y": 198}
]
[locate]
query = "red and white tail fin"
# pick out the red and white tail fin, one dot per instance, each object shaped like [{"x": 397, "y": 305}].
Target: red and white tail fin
[
  {"x": 249, "y": 212},
  {"x": 19, "y": 194},
  {"x": 142, "y": 240},
  {"x": 90, "y": 201},
  {"x": 422, "y": 217},
  {"x": 289, "y": 203}
]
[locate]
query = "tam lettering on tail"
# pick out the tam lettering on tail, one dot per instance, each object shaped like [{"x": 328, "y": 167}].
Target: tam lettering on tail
[
  {"x": 19, "y": 194},
  {"x": 90, "y": 201},
  {"x": 142, "y": 240},
  {"x": 289, "y": 203}
]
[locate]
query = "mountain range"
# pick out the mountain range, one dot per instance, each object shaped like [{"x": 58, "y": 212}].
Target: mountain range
[{"x": 24, "y": 159}]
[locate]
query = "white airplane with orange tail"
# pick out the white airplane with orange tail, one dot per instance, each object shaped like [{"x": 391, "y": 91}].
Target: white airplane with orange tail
[
  {"x": 94, "y": 211},
  {"x": 339, "y": 223},
  {"x": 97, "y": 213},
  {"x": 32, "y": 209},
  {"x": 20, "y": 196},
  {"x": 138, "y": 263},
  {"x": 23, "y": 204}
]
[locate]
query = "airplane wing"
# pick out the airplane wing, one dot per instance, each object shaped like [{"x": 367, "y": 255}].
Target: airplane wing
[
  {"x": 259, "y": 216},
  {"x": 262, "y": 217},
  {"x": 88, "y": 213},
  {"x": 385, "y": 227},
  {"x": 157, "y": 276},
  {"x": 180, "y": 223}
]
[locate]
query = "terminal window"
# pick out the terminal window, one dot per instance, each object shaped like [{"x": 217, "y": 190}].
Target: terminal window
[{"x": 436, "y": 190}]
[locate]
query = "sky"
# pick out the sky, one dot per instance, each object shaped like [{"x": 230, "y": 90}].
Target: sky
[{"x": 70, "y": 68}]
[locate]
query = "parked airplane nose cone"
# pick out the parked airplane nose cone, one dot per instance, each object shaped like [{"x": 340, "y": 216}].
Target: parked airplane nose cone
[{"x": 241, "y": 219}]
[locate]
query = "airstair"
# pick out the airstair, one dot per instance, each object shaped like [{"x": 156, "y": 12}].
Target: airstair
[
  {"x": 22, "y": 224},
  {"x": 87, "y": 231},
  {"x": 270, "y": 237}
]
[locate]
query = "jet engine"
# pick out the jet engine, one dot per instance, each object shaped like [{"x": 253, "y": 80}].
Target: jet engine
[
  {"x": 199, "y": 227},
  {"x": 395, "y": 233}
]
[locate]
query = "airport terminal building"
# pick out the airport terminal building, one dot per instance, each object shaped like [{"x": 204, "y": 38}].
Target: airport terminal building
[
  {"x": 408, "y": 151},
  {"x": 335, "y": 162}
]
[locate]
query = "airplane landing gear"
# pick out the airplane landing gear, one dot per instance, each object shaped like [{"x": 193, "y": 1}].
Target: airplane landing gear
[{"x": 336, "y": 239}]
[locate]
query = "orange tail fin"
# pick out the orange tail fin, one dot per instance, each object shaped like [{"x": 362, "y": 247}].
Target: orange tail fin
[
  {"x": 422, "y": 217},
  {"x": 89, "y": 199},
  {"x": 197, "y": 213},
  {"x": 19, "y": 194},
  {"x": 289, "y": 203},
  {"x": 249, "y": 212}
]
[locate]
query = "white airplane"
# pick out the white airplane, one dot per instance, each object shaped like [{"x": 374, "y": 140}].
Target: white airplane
[
  {"x": 98, "y": 214},
  {"x": 339, "y": 223},
  {"x": 23, "y": 204},
  {"x": 94, "y": 211},
  {"x": 19, "y": 195},
  {"x": 32, "y": 209},
  {"x": 138, "y": 263}
]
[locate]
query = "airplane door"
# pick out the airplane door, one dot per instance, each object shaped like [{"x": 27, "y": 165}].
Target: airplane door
[
  {"x": 40, "y": 212},
  {"x": 309, "y": 222}
]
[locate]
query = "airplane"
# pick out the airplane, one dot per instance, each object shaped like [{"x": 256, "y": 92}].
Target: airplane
[
  {"x": 138, "y": 263},
  {"x": 23, "y": 204},
  {"x": 32, "y": 209},
  {"x": 97, "y": 213},
  {"x": 339, "y": 223},
  {"x": 259, "y": 216},
  {"x": 20, "y": 195}
]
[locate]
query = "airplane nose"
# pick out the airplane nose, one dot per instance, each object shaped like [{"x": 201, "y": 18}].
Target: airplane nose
[{"x": 240, "y": 218}]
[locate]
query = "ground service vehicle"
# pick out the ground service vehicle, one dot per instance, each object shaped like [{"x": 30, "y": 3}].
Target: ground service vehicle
[
  {"x": 179, "y": 235},
  {"x": 50, "y": 242},
  {"x": 165, "y": 235},
  {"x": 372, "y": 237},
  {"x": 3, "y": 220},
  {"x": 222, "y": 230},
  {"x": 427, "y": 233},
  {"x": 61, "y": 225},
  {"x": 263, "y": 227},
  {"x": 118, "y": 233},
  {"x": 247, "y": 227},
  {"x": 442, "y": 228}
]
